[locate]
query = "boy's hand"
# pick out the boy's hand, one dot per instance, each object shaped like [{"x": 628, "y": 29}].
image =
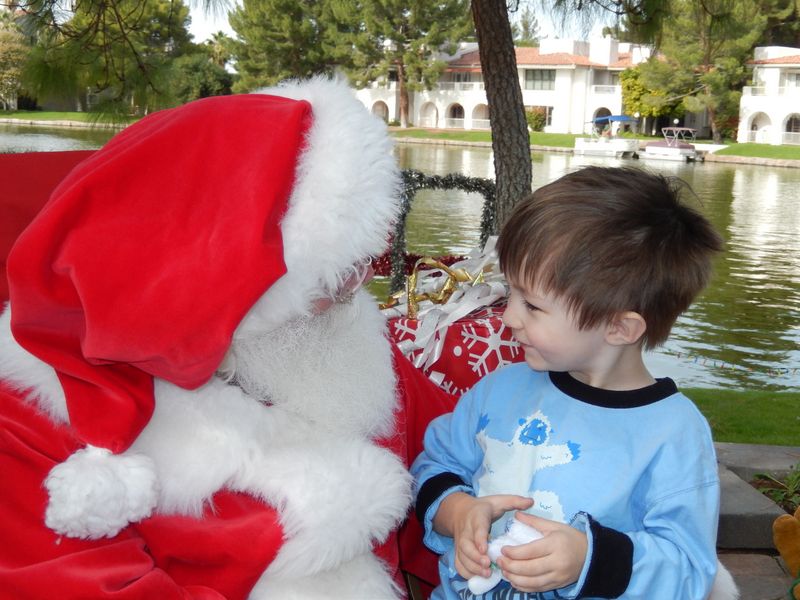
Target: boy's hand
[
  {"x": 550, "y": 563},
  {"x": 467, "y": 520}
]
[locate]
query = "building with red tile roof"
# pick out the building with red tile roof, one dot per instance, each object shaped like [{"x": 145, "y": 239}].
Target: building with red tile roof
[
  {"x": 570, "y": 81},
  {"x": 769, "y": 110}
]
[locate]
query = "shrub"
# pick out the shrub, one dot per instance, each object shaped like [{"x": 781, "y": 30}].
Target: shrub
[{"x": 536, "y": 117}]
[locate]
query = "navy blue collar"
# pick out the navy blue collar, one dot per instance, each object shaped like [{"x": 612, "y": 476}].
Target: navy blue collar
[{"x": 662, "y": 388}]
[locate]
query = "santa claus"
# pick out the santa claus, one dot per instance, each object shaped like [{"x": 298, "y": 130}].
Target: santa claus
[{"x": 193, "y": 383}]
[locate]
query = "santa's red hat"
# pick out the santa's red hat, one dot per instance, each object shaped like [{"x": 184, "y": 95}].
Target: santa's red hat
[{"x": 150, "y": 254}]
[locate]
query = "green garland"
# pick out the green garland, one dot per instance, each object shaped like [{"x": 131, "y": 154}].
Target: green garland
[{"x": 414, "y": 181}]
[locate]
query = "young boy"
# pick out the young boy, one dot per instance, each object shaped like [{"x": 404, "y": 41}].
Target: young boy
[{"x": 616, "y": 468}]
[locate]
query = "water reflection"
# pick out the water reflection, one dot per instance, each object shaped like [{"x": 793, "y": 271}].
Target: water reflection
[
  {"x": 14, "y": 138},
  {"x": 744, "y": 331}
]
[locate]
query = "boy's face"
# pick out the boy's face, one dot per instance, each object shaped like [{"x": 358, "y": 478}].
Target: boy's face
[{"x": 549, "y": 334}]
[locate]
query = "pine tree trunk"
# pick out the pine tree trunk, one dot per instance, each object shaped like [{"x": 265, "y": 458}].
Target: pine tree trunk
[
  {"x": 403, "y": 96},
  {"x": 510, "y": 141},
  {"x": 716, "y": 134}
]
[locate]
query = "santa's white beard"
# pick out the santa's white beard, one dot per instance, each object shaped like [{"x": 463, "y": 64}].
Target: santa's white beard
[{"x": 333, "y": 369}]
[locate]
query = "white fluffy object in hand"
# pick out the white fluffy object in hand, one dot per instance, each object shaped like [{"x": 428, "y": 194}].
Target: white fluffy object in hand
[
  {"x": 95, "y": 493},
  {"x": 518, "y": 533}
]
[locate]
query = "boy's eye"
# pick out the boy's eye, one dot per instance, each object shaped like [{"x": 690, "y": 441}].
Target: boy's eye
[{"x": 531, "y": 307}]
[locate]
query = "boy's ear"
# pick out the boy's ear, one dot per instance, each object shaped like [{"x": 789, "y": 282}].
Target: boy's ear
[{"x": 626, "y": 328}]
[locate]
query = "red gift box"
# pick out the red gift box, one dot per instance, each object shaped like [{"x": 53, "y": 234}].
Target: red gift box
[{"x": 467, "y": 349}]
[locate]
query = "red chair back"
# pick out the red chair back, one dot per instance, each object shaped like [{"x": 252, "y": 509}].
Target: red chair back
[{"x": 26, "y": 181}]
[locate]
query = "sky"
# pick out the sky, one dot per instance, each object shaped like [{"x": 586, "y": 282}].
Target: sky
[{"x": 204, "y": 25}]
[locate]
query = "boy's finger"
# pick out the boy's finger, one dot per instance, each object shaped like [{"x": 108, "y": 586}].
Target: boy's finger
[
  {"x": 543, "y": 525},
  {"x": 513, "y": 502},
  {"x": 474, "y": 554},
  {"x": 529, "y": 551},
  {"x": 467, "y": 567}
]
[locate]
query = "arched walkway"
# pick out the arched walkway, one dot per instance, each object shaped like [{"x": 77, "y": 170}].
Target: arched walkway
[
  {"x": 429, "y": 115},
  {"x": 380, "y": 109},
  {"x": 455, "y": 117},
  {"x": 480, "y": 117},
  {"x": 791, "y": 130},
  {"x": 760, "y": 126}
]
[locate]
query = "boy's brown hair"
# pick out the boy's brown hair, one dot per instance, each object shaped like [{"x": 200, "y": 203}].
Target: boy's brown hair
[{"x": 609, "y": 240}]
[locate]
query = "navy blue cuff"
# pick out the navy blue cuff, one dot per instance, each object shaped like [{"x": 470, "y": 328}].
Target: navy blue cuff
[
  {"x": 611, "y": 565},
  {"x": 432, "y": 489}
]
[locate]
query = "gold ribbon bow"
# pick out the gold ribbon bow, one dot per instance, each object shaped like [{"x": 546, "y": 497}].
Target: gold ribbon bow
[{"x": 454, "y": 278}]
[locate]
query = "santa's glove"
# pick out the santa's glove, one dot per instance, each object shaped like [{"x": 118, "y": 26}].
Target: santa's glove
[{"x": 95, "y": 493}]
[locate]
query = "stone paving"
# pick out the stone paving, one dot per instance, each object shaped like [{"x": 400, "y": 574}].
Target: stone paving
[{"x": 746, "y": 516}]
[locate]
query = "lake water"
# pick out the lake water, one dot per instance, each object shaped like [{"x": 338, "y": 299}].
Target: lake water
[
  {"x": 14, "y": 138},
  {"x": 743, "y": 332}
]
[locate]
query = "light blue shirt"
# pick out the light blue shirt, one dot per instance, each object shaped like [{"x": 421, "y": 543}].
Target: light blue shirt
[{"x": 641, "y": 463}]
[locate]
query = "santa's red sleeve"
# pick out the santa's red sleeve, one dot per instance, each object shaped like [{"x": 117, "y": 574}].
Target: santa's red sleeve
[{"x": 218, "y": 556}]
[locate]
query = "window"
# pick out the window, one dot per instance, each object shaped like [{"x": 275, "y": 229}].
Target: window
[
  {"x": 793, "y": 124},
  {"x": 793, "y": 80},
  {"x": 540, "y": 79}
]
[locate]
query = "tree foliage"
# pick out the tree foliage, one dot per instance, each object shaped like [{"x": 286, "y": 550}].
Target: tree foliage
[
  {"x": 783, "y": 23},
  {"x": 118, "y": 50},
  {"x": 199, "y": 75},
  {"x": 13, "y": 56},
  {"x": 704, "y": 48},
  {"x": 279, "y": 39},
  {"x": 642, "y": 20},
  {"x": 637, "y": 97},
  {"x": 525, "y": 29}
]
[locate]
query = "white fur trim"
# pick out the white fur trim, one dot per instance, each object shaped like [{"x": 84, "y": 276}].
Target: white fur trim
[
  {"x": 345, "y": 198},
  {"x": 201, "y": 439},
  {"x": 96, "y": 494},
  {"x": 337, "y": 493},
  {"x": 363, "y": 578},
  {"x": 724, "y": 587},
  {"x": 34, "y": 378},
  {"x": 337, "y": 500}
]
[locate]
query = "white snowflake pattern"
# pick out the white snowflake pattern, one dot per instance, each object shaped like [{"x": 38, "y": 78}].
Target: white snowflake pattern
[
  {"x": 451, "y": 388},
  {"x": 403, "y": 330},
  {"x": 493, "y": 344}
]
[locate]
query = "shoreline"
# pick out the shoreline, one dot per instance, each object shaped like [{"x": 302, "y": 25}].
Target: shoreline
[
  {"x": 63, "y": 124},
  {"x": 709, "y": 156}
]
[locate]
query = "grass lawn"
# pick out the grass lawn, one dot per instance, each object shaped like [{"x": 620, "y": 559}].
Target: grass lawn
[
  {"x": 560, "y": 140},
  {"x": 750, "y": 417},
  {"x": 43, "y": 115},
  {"x": 762, "y": 151},
  {"x": 38, "y": 115}
]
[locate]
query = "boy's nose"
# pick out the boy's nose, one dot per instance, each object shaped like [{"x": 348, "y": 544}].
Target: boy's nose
[{"x": 509, "y": 317}]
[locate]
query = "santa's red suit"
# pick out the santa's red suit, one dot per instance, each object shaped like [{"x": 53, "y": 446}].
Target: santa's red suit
[{"x": 196, "y": 401}]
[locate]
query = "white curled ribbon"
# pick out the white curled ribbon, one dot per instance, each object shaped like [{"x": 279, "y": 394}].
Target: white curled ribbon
[{"x": 434, "y": 319}]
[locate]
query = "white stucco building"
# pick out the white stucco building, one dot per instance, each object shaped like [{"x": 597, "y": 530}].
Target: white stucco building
[
  {"x": 572, "y": 81},
  {"x": 769, "y": 111}
]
